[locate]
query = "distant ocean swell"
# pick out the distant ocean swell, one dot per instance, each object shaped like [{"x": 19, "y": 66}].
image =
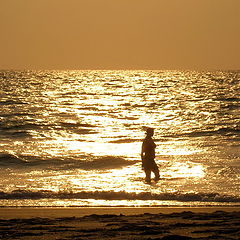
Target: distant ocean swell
[{"x": 122, "y": 195}]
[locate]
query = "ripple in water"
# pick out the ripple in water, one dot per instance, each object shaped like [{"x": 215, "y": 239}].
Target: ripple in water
[{"x": 77, "y": 135}]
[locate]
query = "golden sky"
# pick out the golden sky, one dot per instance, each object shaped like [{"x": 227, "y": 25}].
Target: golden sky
[{"x": 119, "y": 34}]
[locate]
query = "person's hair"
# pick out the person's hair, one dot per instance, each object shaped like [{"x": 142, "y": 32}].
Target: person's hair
[{"x": 150, "y": 130}]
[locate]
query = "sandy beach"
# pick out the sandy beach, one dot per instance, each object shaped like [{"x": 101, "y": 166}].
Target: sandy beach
[{"x": 120, "y": 223}]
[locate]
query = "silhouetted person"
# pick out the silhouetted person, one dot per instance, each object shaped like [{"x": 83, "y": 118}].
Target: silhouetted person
[{"x": 148, "y": 155}]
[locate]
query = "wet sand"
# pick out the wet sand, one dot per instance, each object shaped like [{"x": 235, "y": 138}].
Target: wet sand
[{"x": 120, "y": 223}]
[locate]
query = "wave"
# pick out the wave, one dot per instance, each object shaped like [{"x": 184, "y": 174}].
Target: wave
[
  {"x": 79, "y": 128},
  {"x": 12, "y": 102},
  {"x": 223, "y": 131},
  {"x": 125, "y": 140},
  {"x": 22, "y": 129},
  {"x": 226, "y": 131},
  {"x": 16, "y": 114},
  {"x": 9, "y": 159},
  {"x": 230, "y": 106},
  {"x": 121, "y": 195},
  {"x": 229, "y": 99},
  {"x": 229, "y": 171},
  {"x": 17, "y": 134},
  {"x": 76, "y": 125},
  {"x": 19, "y": 126},
  {"x": 81, "y": 162}
]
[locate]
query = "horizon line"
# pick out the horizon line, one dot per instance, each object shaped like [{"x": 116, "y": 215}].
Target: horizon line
[{"x": 120, "y": 69}]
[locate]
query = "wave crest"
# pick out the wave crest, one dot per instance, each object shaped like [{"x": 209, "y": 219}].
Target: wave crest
[{"x": 121, "y": 195}]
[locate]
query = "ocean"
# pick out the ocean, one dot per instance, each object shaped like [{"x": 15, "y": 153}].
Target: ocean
[{"x": 73, "y": 138}]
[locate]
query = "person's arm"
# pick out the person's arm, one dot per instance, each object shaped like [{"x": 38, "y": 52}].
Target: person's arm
[
  {"x": 142, "y": 152},
  {"x": 154, "y": 148}
]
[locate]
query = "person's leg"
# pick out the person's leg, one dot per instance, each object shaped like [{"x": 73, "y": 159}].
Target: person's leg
[
  {"x": 156, "y": 172},
  {"x": 148, "y": 175}
]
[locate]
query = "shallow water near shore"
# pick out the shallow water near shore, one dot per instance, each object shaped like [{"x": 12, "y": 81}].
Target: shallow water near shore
[{"x": 73, "y": 138}]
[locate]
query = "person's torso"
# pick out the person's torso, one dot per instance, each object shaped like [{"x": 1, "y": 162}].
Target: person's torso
[{"x": 149, "y": 148}]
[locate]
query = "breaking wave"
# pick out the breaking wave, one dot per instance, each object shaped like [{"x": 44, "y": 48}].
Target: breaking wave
[{"x": 122, "y": 195}]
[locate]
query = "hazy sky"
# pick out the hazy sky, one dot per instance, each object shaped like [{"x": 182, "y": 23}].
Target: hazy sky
[{"x": 119, "y": 34}]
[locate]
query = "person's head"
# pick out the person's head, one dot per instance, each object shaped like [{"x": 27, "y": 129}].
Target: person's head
[{"x": 150, "y": 132}]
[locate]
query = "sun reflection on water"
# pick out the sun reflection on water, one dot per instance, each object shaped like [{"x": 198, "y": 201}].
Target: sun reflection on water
[{"x": 70, "y": 121}]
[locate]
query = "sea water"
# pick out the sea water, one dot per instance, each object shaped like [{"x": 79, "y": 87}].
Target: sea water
[{"x": 73, "y": 138}]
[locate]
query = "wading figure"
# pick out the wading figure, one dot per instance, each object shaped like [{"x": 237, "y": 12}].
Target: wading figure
[{"x": 148, "y": 155}]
